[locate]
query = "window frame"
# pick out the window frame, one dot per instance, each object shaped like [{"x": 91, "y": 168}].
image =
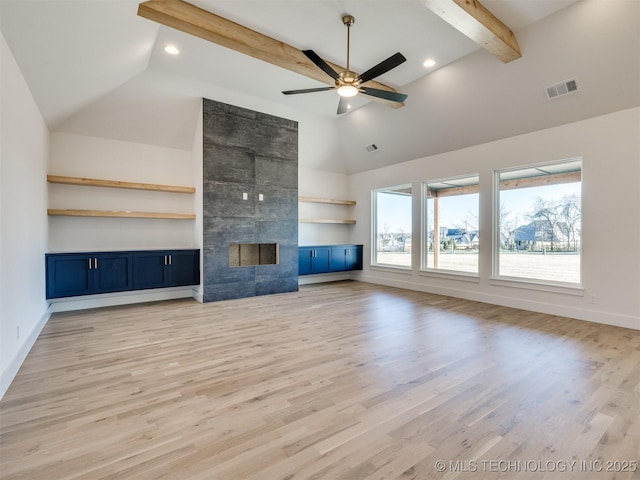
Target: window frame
[
  {"x": 570, "y": 288},
  {"x": 374, "y": 230},
  {"x": 424, "y": 248}
]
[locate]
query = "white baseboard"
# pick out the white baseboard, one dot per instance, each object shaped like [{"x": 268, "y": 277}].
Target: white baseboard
[
  {"x": 198, "y": 295},
  {"x": 607, "y": 318},
  {"x": 121, "y": 298},
  {"x": 323, "y": 277},
  {"x": 11, "y": 371}
]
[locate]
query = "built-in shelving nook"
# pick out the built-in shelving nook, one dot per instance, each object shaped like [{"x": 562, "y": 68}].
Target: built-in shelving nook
[
  {"x": 94, "y": 182},
  {"x": 328, "y": 201}
]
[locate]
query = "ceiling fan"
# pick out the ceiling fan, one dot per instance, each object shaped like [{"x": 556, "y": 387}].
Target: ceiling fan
[{"x": 348, "y": 83}]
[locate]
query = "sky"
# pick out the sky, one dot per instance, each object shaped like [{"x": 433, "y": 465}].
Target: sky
[{"x": 395, "y": 210}]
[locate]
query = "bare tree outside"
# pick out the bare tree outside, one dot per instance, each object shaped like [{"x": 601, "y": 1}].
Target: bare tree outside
[
  {"x": 570, "y": 213},
  {"x": 549, "y": 212},
  {"x": 509, "y": 221},
  {"x": 540, "y": 222}
]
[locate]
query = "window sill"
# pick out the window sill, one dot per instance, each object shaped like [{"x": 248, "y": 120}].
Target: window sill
[
  {"x": 391, "y": 268},
  {"x": 451, "y": 275},
  {"x": 564, "y": 289}
]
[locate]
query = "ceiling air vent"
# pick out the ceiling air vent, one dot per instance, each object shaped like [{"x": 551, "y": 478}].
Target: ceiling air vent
[
  {"x": 371, "y": 148},
  {"x": 562, "y": 88}
]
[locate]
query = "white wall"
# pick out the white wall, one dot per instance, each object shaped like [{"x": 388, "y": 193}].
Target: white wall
[
  {"x": 610, "y": 148},
  {"x": 322, "y": 184},
  {"x": 478, "y": 99},
  {"x": 93, "y": 157},
  {"x": 197, "y": 155},
  {"x": 23, "y": 218}
]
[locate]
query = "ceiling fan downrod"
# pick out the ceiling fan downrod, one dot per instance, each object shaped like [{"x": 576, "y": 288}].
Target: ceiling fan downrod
[{"x": 348, "y": 20}]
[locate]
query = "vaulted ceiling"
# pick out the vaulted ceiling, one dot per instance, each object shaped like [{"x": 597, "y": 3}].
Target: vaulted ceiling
[{"x": 97, "y": 68}]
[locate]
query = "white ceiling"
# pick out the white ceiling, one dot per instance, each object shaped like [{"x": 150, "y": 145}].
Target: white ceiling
[
  {"x": 74, "y": 52},
  {"x": 96, "y": 68}
]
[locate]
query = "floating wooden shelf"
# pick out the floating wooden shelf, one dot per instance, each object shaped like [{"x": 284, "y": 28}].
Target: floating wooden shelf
[
  {"x": 94, "y": 182},
  {"x": 120, "y": 214},
  {"x": 326, "y": 200},
  {"x": 326, "y": 220}
]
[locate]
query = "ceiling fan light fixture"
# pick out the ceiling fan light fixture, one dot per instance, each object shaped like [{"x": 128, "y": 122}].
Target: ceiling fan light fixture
[
  {"x": 349, "y": 84},
  {"x": 347, "y": 91}
]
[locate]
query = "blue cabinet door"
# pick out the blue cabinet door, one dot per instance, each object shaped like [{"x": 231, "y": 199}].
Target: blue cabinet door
[
  {"x": 338, "y": 261},
  {"x": 68, "y": 275},
  {"x": 184, "y": 267},
  {"x": 320, "y": 260},
  {"x": 304, "y": 260},
  {"x": 111, "y": 272},
  {"x": 149, "y": 270},
  {"x": 353, "y": 259}
]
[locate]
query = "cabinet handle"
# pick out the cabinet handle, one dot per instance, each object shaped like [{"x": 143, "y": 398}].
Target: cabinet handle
[
  {"x": 95, "y": 263},
  {"x": 89, "y": 264},
  {"x": 165, "y": 259},
  {"x": 170, "y": 259}
]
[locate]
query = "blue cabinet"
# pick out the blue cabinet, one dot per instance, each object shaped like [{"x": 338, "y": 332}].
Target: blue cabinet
[
  {"x": 166, "y": 268},
  {"x": 74, "y": 274},
  {"x": 346, "y": 258},
  {"x": 329, "y": 259},
  {"x": 71, "y": 274},
  {"x": 313, "y": 260}
]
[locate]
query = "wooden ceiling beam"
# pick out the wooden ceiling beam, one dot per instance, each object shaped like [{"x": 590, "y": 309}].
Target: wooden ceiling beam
[
  {"x": 472, "y": 19},
  {"x": 527, "y": 182},
  {"x": 206, "y": 25}
]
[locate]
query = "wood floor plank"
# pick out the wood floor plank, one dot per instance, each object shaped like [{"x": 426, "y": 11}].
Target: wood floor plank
[{"x": 337, "y": 381}]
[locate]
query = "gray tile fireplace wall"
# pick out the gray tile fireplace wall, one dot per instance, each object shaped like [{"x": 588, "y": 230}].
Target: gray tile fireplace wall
[{"x": 250, "y": 195}]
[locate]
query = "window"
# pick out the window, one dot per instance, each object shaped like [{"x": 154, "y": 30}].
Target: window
[
  {"x": 539, "y": 212},
  {"x": 392, "y": 226},
  {"x": 452, "y": 236}
]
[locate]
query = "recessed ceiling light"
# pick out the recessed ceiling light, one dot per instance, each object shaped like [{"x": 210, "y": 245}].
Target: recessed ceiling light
[
  {"x": 172, "y": 50},
  {"x": 429, "y": 62}
]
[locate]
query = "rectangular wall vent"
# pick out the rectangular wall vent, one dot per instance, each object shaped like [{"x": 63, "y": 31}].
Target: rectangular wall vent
[{"x": 562, "y": 88}]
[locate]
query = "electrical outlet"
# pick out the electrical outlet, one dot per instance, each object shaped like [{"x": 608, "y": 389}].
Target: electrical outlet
[{"x": 593, "y": 299}]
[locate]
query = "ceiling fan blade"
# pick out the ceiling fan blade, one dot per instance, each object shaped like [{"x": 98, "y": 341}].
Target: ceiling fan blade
[
  {"x": 383, "y": 67},
  {"x": 321, "y": 64},
  {"x": 343, "y": 106},
  {"x": 376, "y": 92},
  {"x": 308, "y": 90}
]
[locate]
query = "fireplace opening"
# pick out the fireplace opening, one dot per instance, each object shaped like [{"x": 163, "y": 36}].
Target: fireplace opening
[{"x": 252, "y": 254}]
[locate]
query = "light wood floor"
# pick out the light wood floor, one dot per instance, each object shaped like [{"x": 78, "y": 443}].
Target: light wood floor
[{"x": 337, "y": 381}]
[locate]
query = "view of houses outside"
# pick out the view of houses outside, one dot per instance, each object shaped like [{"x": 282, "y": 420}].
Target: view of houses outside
[
  {"x": 393, "y": 227},
  {"x": 540, "y": 233},
  {"x": 539, "y": 230},
  {"x": 458, "y": 236}
]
